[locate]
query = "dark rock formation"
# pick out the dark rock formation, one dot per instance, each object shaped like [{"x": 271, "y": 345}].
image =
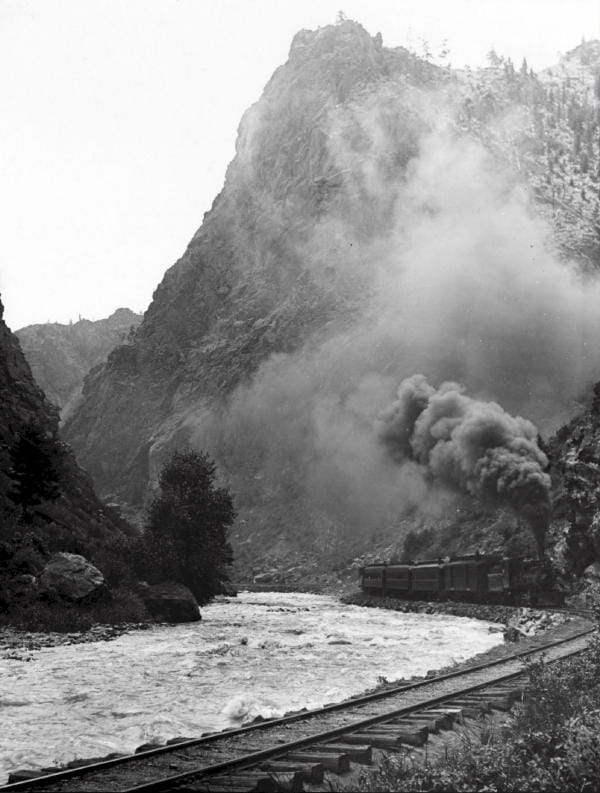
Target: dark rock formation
[
  {"x": 76, "y": 519},
  {"x": 575, "y": 456},
  {"x": 69, "y": 576},
  {"x": 61, "y": 355},
  {"x": 170, "y": 602}
]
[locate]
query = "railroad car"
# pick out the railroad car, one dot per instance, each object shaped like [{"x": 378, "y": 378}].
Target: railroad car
[{"x": 477, "y": 577}]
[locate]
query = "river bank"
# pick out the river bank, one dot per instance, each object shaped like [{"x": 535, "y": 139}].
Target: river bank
[
  {"x": 21, "y": 645},
  {"x": 527, "y": 621},
  {"x": 260, "y": 654}
]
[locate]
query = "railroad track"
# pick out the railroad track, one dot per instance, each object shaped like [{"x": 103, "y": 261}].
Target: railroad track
[{"x": 286, "y": 753}]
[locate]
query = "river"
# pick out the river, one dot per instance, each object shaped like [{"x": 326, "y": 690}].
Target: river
[{"x": 257, "y": 654}]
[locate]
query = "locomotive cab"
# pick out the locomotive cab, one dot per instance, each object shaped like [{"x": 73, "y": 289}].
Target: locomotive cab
[{"x": 465, "y": 575}]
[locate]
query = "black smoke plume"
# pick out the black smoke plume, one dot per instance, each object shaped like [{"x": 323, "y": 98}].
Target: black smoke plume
[{"x": 472, "y": 446}]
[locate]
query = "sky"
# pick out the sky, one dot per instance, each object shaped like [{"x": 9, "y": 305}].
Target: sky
[{"x": 118, "y": 119}]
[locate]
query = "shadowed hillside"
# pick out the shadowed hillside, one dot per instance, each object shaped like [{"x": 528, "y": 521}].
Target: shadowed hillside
[
  {"x": 60, "y": 356},
  {"x": 68, "y": 515}
]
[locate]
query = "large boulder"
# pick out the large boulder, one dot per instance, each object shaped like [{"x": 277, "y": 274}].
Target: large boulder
[
  {"x": 68, "y": 576},
  {"x": 269, "y": 577},
  {"x": 170, "y": 602},
  {"x": 592, "y": 572}
]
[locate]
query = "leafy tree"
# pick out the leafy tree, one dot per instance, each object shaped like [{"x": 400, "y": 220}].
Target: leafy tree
[
  {"x": 35, "y": 469},
  {"x": 186, "y": 530}
]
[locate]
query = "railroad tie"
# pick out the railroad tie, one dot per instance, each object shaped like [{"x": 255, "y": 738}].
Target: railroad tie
[
  {"x": 433, "y": 723},
  {"x": 209, "y": 787},
  {"x": 310, "y": 772},
  {"x": 204, "y": 786},
  {"x": 454, "y": 714},
  {"x": 389, "y": 738},
  {"x": 246, "y": 782},
  {"x": 376, "y": 740},
  {"x": 494, "y": 700},
  {"x": 472, "y": 707},
  {"x": 338, "y": 763},
  {"x": 356, "y": 752},
  {"x": 401, "y": 729},
  {"x": 414, "y": 734},
  {"x": 512, "y": 693}
]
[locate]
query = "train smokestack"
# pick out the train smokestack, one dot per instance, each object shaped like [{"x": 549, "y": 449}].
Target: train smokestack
[{"x": 471, "y": 446}]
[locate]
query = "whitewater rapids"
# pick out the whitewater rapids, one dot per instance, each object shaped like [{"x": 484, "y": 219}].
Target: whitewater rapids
[{"x": 257, "y": 654}]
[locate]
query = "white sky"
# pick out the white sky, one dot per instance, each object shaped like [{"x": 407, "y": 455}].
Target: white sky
[{"x": 118, "y": 119}]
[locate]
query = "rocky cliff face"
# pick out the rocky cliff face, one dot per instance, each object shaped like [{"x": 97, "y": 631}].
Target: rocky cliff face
[
  {"x": 60, "y": 356},
  {"x": 76, "y": 520},
  {"x": 379, "y": 219},
  {"x": 243, "y": 291},
  {"x": 575, "y": 451}
]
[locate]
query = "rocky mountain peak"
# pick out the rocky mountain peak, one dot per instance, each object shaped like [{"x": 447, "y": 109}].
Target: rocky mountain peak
[
  {"x": 345, "y": 42},
  {"x": 60, "y": 355},
  {"x": 587, "y": 53}
]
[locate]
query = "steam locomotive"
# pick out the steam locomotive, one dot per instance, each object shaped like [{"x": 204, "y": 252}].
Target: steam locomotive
[{"x": 475, "y": 577}]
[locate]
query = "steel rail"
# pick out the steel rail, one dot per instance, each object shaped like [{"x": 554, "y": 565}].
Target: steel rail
[
  {"x": 280, "y": 750},
  {"x": 49, "y": 780}
]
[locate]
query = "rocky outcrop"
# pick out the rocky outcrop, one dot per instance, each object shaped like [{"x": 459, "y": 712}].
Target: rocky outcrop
[
  {"x": 60, "y": 356},
  {"x": 575, "y": 456},
  {"x": 170, "y": 602},
  {"x": 74, "y": 517},
  {"x": 69, "y": 576}
]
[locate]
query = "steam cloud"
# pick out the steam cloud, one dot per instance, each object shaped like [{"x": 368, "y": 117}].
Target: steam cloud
[
  {"x": 470, "y": 445},
  {"x": 437, "y": 262}
]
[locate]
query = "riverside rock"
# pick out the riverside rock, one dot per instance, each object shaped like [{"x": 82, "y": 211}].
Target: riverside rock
[
  {"x": 71, "y": 577},
  {"x": 170, "y": 602}
]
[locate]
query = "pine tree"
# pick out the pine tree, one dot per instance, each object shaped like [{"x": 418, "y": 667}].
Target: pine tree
[
  {"x": 36, "y": 461},
  {"x": 186, "y": 532}
]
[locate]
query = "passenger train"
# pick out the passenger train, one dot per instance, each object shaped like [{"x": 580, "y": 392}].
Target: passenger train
[{"x": 476, "y": 577}]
